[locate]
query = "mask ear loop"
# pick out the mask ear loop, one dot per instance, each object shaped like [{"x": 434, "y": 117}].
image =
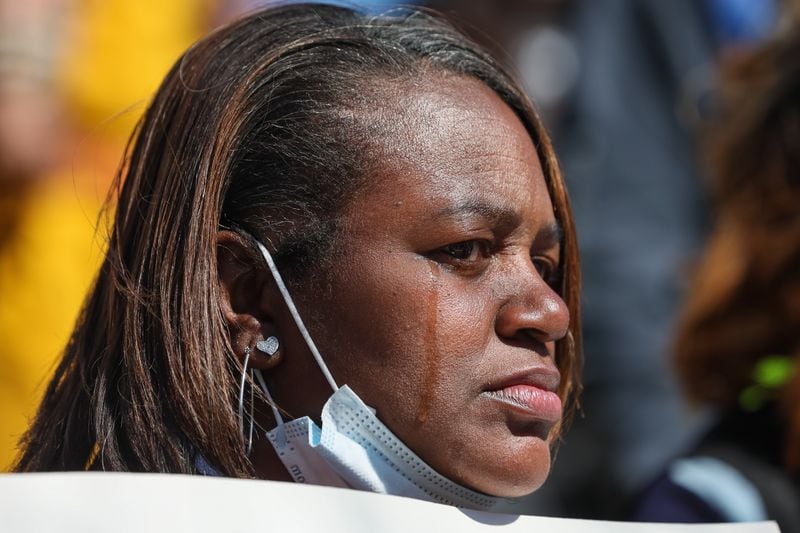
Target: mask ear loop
[
  {"x": 296, "y": 316},
  {"x": 275, "y": 412}
]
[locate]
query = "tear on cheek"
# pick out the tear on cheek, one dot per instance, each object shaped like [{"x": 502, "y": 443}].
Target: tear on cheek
[{"x": 430, "y": 358}]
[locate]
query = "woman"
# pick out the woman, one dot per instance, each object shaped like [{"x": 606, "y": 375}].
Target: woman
[{"x": 403, "y": 185}]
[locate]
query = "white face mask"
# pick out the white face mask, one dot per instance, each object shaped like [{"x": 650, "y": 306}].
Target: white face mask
[{"x": 353, "y": 448}]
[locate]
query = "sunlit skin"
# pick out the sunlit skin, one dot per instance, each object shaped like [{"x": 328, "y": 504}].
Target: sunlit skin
[{"x": 441, "y": 292}]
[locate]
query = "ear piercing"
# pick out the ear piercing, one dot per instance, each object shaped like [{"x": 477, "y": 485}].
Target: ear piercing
[{"x": 269, "y": 345}]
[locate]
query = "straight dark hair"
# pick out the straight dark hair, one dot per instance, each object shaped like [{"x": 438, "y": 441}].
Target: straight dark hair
[{"x": 259, "y": 127}]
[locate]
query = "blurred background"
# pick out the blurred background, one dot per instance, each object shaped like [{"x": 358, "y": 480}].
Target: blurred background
[{"x": 625, "y": 86}]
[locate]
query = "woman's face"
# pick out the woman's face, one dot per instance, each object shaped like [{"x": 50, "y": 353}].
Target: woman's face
[{"x": 440, "y": 312}]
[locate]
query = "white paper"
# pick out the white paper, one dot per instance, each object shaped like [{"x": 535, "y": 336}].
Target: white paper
[{"x": 101, "y": 502}]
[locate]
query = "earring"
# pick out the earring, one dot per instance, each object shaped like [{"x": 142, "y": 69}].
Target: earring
[
  {"x": 269, "y": 346},
  {"x": 241, "y": 402}
]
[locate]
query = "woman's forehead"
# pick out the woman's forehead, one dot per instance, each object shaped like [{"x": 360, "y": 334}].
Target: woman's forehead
[
  {"x": 456, "y": 110},
  {"x": 454, "y": 135},
  {"x": 467, "y": 160}
]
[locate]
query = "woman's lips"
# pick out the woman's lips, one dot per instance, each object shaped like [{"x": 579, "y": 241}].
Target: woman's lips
[{"x": 541, "y": 404}]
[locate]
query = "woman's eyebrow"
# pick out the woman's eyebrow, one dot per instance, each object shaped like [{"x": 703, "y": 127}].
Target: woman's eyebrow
[
  {"x": 496, "y": 214},
  {"x": 549, "y": 236}
]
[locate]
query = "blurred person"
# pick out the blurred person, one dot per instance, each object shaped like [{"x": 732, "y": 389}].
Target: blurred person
[
  {"x": 71, "y": 74},
  {"x": 739, "y": 338},
  {"x": 31, "y": 144},
  {"x": 317, "y": 203},
  {"x": 30, "y": 33}
]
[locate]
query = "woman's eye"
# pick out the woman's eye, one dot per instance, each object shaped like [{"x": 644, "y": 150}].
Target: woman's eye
[
  {"x": 467, "y": 250},
  {"x": 546, "y": 269}
]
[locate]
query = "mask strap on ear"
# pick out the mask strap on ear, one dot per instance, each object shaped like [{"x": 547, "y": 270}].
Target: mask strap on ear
[
  {"x": 275, "y": 412},
  {"x": 296, "y": 316}
]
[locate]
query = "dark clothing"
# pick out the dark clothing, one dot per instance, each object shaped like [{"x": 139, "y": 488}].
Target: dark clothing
[
  {"x": 666, "y": 501},
  {"x": 752, "y": 446}
]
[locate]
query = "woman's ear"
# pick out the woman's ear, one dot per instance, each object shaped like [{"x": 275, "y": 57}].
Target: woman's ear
[{"x": 244, "y": 284}]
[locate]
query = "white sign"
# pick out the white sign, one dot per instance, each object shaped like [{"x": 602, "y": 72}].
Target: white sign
[{"x": 100, "y": 502}]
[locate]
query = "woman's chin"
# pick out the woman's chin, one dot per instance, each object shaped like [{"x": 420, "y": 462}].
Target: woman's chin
[
  {"x": 514, "y": 478},
  {"x": 531, "y": 485},
  {"x": 523, "y": 487}
]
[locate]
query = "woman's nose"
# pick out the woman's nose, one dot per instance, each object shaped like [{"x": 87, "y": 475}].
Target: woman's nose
[{"x": 534, "y": 311}]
